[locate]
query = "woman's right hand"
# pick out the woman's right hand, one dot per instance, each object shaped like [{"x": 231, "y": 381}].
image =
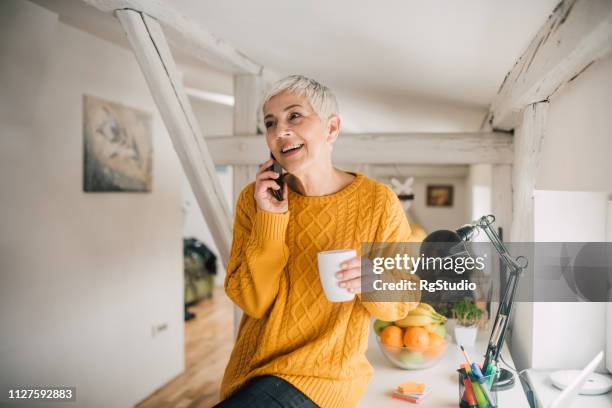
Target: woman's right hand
[{"x": 265, "y": 200}]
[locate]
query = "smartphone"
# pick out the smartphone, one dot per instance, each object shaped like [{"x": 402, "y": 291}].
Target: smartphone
[{"x": 275, "y": 167}]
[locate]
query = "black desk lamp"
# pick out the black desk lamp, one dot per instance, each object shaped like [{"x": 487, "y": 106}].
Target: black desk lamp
[{"x": 515, "y": 268}]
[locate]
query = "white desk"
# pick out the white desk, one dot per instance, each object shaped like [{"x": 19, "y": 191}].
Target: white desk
[
  {"x": 442, "y": 378},
  {"x": 545, "y": 392}
]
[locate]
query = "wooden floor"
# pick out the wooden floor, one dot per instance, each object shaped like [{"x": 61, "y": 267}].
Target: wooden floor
[{"x": 208, "y": 344}]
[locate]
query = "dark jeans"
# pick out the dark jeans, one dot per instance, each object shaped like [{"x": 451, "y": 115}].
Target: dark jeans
[{"x": 267, "y": 391}]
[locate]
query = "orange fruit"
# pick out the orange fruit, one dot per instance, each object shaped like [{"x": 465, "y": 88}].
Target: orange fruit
[
  {"x": 416, "y": 339},
  {"x": 392, "y": 336},
  {"x": 437, "y": 346}
]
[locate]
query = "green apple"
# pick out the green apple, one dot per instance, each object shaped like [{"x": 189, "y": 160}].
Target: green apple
[
  {"x": 379, "y": 326},
  {"x": 410, "y": 358},
  {"x": 440, "y": 330}
]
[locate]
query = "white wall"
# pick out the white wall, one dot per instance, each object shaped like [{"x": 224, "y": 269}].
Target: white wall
[
  {"x": 84, "y": 276},
  {"x": 214, "y": 119},
  {"x": 568, "y": 216},
  {"x": 478, "y": 194},
  {"x": 572, "y": 186},
  {"x": 371, "y": 112},
  {"x": 435, "y": 218},
  {"x": 577, "y": 148}
]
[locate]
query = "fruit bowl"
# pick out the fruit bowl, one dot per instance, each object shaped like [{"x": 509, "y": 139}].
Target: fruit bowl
[
  {"x": 403, "y": 357},
  {"x": 417, "y": 341}
]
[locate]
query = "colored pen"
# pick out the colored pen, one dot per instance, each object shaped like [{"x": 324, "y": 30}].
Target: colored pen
[
  {"x": 482, "y": 383},
  {"x": 468, "y": 392},
  {"x": 491, "y": 375}
]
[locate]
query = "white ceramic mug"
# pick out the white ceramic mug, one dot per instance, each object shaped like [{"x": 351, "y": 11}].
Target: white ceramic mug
[{"x": 329, "y": 265}]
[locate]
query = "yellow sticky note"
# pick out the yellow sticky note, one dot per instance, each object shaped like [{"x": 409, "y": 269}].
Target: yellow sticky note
[{"x": 411, "y": 387}]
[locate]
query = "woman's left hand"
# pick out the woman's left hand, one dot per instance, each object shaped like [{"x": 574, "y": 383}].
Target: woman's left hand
[{"x": 349, "y": 276}]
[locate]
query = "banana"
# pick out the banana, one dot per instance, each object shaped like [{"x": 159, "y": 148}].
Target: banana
[
  {"x": 416, "y": 320},
  {"x": 441, "y": 317},
  {"x": 433, "y": 311},
  {"x": 426, "y": 310},
  {"x": 422, "y": 315},
  {"x": 425, "y": 306},
  {"x": 421, "y": 312}
]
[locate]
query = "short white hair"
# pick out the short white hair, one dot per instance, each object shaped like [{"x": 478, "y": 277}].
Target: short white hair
[{"x": 320, "y": 97}]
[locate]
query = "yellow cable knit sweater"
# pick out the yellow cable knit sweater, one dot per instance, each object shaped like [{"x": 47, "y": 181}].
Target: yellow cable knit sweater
[{"x": 289, "y": 329}]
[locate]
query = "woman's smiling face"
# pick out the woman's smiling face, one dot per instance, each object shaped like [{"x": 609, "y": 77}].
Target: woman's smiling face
[{"x": 295, "y": 134}]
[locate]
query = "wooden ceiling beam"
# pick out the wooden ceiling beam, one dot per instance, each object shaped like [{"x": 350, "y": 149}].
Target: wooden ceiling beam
[
  {"x": 577, "y": 33},
  {"x": 185, "y": 35},
  {"x": 393, "y": 148}
]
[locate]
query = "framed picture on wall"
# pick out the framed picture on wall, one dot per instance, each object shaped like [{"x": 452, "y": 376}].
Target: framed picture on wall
[
  {"x": 118, "y": 147},
  {"x": 439, "y": 195}
]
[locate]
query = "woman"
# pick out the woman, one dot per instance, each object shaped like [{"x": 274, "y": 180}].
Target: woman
[{"x": 294, "y": 347}]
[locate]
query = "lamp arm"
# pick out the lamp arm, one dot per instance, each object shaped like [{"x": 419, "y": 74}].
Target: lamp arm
[
  {"x": 505, "y": 307},
  {"x": 484, "y": 223}
]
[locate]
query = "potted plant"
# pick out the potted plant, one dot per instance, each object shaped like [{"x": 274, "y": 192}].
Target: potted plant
[{"x": 468, "y": 315}]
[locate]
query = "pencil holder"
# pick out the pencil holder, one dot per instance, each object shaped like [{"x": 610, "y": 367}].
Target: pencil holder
[{"x": 477, "y": 394}]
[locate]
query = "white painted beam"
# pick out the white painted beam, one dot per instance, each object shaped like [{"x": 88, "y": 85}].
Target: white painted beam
[
  {"x": 406, "y": 148},
  {"x": 185, "y": 35},
  {"x": 384, "y": 171},
  {"x": 501, "y": 197},
  {"x": 247, "y": 93},
  {"x": 424, "y": 148},
  {"x": 248, "y": 90},
  {"x": 577, "y": 34},
  {"x": 528, "y": 148},
  {"x": 156, "y": 62},
  {"x": 501, "y": 207},
  {"x": 529, "y": 137}
]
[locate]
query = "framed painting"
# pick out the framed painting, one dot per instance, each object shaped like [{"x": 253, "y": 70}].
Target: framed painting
[
  {"x": 439, "y": 195},
  {"x": 118, "y": 147}
]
